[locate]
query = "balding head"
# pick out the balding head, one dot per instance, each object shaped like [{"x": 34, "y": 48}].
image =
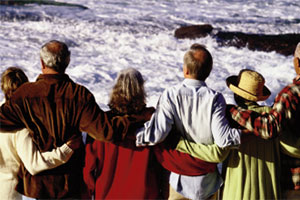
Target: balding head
[
  {"x": 198, "y": 61},
  {"x": 55, "y": 55}
]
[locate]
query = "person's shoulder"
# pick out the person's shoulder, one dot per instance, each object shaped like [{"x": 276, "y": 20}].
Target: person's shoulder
[
  {"x": 76, "y": 90},
  {"x": 26, "y": 89},
  {"x": 80, "y": 87},
  {"x": 12, "y": 136},
  {"x": 290, "y": 89},
  {"x": 213, "y": 93},
  {"x": 173, "y": 87}
]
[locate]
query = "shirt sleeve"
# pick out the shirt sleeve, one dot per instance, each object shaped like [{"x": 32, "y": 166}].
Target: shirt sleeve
[
  {"x": 160, "y": 124},
  {"x": 11, "y": 116},
  {"x": 105, "y": 127},
  {"x": 34, "y": 160},
  {"x": 290, "y": 145},
  {"x": 208, "y": 153},
  {"x": 269, "y": 125},
  {"x": 91, "y": 162},
  {"x": 223, "y": 134}
]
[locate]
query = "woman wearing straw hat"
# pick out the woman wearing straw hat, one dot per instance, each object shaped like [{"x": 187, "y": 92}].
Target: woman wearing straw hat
[{"x": 252, "y": 170}]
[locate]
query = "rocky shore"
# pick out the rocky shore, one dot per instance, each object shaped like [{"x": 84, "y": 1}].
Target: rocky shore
[{"x": 284, "y": 44}]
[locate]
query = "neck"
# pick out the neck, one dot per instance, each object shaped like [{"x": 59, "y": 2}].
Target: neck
[
  {"x": 49, "y": 71},
  {"x": 190, "y": 78}
]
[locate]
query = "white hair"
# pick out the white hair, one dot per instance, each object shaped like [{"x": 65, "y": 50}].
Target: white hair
[
  {"x": 55, "y": 55},
  {"x": 297, "y": 51}
]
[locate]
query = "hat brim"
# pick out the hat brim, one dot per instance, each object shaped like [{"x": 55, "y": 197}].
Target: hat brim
[{"x": 232, "y": 83}]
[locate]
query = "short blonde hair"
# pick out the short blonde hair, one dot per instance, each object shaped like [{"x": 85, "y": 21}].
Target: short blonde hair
[
  {"x": 11, "y": 79},
  {"x": 128, "y": 95}
]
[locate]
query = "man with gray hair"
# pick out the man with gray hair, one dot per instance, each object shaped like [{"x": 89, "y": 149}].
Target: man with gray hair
[
  {"x": 284, "y": 117},
  {"x": 196, "y": 112},
  {"x": 55, "y": 109}
]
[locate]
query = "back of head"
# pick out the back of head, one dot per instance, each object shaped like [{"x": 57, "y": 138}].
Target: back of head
[
  {"x": 198, "y": 61},
  {"x": 128, "y": 94},
  {"x": 11, "y": 79},
  {"x": 55, "y": 55}
]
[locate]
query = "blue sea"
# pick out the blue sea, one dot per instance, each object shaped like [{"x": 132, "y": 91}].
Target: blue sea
[{"x": 117, "y": 34}]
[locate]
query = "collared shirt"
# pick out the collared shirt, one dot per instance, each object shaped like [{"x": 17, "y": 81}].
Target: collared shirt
[{"x": 198, "y": 113}]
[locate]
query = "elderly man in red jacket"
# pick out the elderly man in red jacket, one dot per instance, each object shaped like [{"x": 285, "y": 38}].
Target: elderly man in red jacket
[{"x": 54, "y": 109}]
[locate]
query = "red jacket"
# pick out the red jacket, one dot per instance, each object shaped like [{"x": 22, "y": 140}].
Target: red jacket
[
  {"x": 121, "y": 172},
  {"x": 125, "y": 171}
]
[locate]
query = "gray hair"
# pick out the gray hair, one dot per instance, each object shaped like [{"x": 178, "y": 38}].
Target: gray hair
[
  {"x": 55, "y": 55},
  {"x": 297, "y": 51},
  {"x": 199, "y": 61},
  {"x": 128, "y": 94}
]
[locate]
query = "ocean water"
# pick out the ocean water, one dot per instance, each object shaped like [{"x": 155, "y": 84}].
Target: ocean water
[{"x": 115, "y": 34}]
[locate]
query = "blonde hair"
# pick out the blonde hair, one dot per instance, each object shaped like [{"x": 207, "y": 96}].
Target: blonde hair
[
  {"x": 128, "y": 95},
  {"x": 199, "y": 61},
  {"x": 11, "y": 79}
]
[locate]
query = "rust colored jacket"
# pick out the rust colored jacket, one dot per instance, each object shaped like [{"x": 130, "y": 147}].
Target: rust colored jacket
[{"x": 54, "y": 109}]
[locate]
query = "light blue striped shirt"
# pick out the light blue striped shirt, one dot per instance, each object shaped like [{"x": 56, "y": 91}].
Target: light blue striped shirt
[{"x": 198, "y": 113}]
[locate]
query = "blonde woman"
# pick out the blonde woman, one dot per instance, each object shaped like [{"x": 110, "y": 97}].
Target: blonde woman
[{"x": 122, "y": 170}]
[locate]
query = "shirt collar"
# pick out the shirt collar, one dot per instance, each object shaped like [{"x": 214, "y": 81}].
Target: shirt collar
[
  {"x": 193, "y": 82},
  {"x": 53, "y": 77}
]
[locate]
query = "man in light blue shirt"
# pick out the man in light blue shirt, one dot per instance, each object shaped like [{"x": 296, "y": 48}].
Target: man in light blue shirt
[{"x": 198, "y": 113}]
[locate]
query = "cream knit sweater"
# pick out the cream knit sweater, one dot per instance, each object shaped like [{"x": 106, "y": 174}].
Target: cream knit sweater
[{"x": 18, "y": 147}]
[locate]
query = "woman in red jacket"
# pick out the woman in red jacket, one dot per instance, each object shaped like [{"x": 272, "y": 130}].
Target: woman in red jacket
[{"x": 123, "y": 171}]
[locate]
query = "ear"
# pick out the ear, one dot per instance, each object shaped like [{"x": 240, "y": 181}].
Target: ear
[
  {"x": 43, "y": 64},
  {"x": 297, "y": 65},
  {"x": 185, "y": 70}
]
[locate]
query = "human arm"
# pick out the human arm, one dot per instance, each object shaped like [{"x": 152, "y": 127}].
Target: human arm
[
  {"x": 9, "y": 119},
  {"x": 209, "y": 153},
  {"x": 104, "y": 126},
  {"x": 223, "y": 134},
  {"x": 92, "y": 163},
  {"x": 34, "y": 160},
  {"x": 269, "y": 125},
  {"x": 158, "y": 127},
  {"x": 290, "y": 145}
]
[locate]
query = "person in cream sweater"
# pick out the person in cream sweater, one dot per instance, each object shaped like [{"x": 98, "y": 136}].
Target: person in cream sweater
[{"x": 19, "y": 147}]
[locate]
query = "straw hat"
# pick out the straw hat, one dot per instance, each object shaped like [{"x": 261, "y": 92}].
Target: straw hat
[{"x": 249, "y": 85}]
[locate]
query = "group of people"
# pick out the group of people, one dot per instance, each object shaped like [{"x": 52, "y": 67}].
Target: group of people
[{"x": 137, "y": 152}]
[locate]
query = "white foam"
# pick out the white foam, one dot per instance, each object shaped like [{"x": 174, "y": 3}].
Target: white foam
[{"x": 113, "y": 35}]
